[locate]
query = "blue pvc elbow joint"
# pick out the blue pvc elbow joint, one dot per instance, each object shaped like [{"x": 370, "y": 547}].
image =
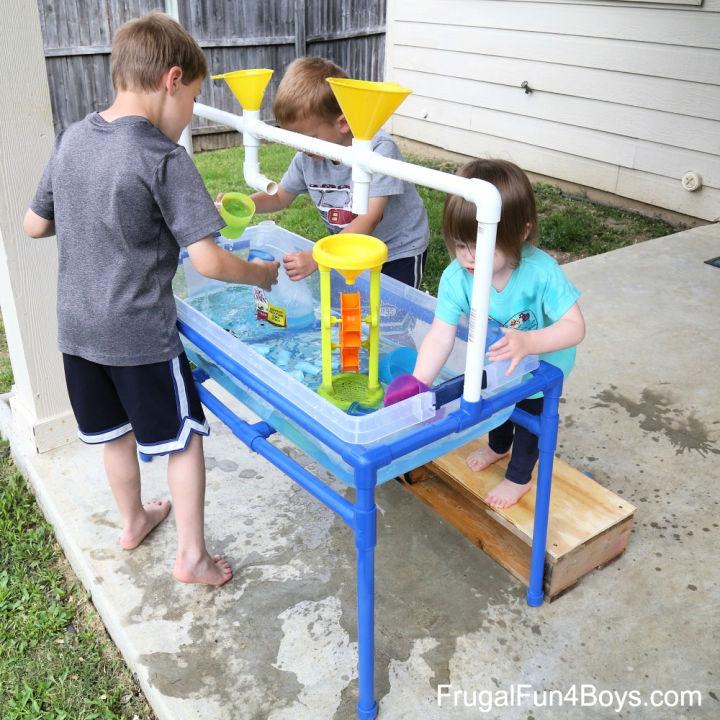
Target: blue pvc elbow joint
[{"x": 469, "y": 414}]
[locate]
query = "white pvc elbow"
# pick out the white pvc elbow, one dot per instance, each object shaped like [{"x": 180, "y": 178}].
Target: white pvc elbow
[
  {"x": 487, "y": 200},
  {"x": 255, "y": 179}
]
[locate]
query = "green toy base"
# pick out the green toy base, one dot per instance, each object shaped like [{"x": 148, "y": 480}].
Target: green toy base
[{"x": 348, "y": 388}]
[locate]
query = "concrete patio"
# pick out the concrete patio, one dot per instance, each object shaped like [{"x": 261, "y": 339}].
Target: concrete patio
[{"x": 641, "y": 416}]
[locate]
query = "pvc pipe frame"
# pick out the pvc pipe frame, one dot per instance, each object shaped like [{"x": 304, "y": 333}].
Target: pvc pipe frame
[{"x": 364, "y": 162}]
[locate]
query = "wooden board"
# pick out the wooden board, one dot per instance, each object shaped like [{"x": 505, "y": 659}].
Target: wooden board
[{"x": 589, "y": 524}]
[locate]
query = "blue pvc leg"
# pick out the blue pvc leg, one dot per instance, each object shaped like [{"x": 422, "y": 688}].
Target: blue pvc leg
[
  {"x": 365, "y": 541},
  {"x": 547, "y": 442}
]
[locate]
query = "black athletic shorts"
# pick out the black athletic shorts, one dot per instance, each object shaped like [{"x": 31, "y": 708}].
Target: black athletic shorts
[
  {"x": 158, "y": 402},
  {"x": 407, "y": 270}
]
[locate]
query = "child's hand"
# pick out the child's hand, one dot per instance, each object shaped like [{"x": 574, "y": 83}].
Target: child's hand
[
  {"x": 271, "y": 272},
  {"x": 513, "y": 346},
  {"x": 299, "y": 265},
  {"x": 218, "y": 199}
]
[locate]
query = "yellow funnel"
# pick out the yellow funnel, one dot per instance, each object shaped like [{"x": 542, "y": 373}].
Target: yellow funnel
[
  {"x": 248, "y": 86},
  {"x": 350, "y": 254},
  {"x": 367, "y": 105}
]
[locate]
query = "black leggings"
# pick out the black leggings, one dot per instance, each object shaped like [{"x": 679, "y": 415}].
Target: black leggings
[{"x": 524, "y": 443}]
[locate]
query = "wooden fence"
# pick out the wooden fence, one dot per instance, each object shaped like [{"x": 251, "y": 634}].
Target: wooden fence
[{"x": 234, "y": 34}]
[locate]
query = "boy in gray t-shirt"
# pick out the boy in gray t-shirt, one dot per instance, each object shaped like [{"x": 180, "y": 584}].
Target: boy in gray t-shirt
[
  {"x": 305, "y": 103},
  {"x": 123, "y": 197}
]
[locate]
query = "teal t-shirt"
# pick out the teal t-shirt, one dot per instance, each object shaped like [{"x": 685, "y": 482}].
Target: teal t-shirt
[{"x": 537, "y": 294}]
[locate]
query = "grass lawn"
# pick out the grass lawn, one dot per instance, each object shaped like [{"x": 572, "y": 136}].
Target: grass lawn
[{"x": 57, "y": 661}]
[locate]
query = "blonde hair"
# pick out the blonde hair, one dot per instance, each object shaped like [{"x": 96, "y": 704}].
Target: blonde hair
[
  {"x": 145, "y": 48},
  {"x": 518, "y": 218},
  {"x": 303, "y": 92}
]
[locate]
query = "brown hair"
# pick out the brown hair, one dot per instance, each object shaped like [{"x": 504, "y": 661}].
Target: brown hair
[
  {"x": 145, "y": 48},
  {"x": 518, "y": 218},
  {"x": 303, "y": 92}
]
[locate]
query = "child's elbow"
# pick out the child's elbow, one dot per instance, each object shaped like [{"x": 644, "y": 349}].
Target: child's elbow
[
  {"x": 35, "y": 226},
  {"x": 575, "y": 328},
  {"x": 580, "y": 331}
]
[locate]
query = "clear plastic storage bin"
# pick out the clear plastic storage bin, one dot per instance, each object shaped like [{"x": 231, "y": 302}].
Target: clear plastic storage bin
[{"x": 406, "y": 315}]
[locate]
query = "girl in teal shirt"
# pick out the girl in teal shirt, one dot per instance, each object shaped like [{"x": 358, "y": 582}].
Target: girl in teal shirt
[{"x": 530, "y": 297}]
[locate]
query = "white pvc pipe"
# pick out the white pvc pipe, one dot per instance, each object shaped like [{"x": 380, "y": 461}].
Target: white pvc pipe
[
  {"x": 268, "y": 132},
  {"x": 186, "y": 140},
  {"x": 483, "y": 194},
  {"x": 251, "y": 166},
  {"x": 360, "y": 177},
  {"x": 479, "y": 308}
]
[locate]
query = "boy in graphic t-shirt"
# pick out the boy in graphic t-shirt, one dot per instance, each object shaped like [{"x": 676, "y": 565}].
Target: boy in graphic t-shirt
[{"x": 396, "y": 215}]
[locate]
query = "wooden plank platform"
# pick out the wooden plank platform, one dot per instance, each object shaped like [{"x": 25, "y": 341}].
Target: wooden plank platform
[{"x": 589, "y": 525}]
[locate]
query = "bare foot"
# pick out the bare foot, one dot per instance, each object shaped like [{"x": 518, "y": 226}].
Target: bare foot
[
  {"x": 209, "y": 570},
  {"x": 506, "y": 494},
  {"x": 155, "y": 512},
  {"x": 482, "y": 458}
]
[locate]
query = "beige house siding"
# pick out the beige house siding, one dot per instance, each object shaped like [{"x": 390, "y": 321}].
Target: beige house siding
[{"x": 626, "y": 96}]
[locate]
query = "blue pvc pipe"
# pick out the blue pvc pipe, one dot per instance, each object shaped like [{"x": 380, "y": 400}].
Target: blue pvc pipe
[
  {"x": 365, "y": 542},
  {"x": 256, "y": 441},
  {"x": 527, "y": 420},
  {"x": 547, "y": 440}
]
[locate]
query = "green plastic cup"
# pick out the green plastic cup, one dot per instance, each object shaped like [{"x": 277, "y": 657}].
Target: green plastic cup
[{"x": 236, "y": 210}]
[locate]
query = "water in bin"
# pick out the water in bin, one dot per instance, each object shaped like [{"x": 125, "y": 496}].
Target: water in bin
[{"x": 289, "y": 303}]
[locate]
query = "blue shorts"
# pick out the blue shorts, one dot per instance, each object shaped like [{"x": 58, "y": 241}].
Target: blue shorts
[{"x": 158, "y": 402}]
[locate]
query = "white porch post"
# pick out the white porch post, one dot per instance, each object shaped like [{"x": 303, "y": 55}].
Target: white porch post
[{"x": 28, "y": 267}]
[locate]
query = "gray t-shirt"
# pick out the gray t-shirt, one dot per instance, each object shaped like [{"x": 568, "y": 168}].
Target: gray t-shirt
[
  {"x": 404, "y": 225},
  {"x": 124, "y": 199}
]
